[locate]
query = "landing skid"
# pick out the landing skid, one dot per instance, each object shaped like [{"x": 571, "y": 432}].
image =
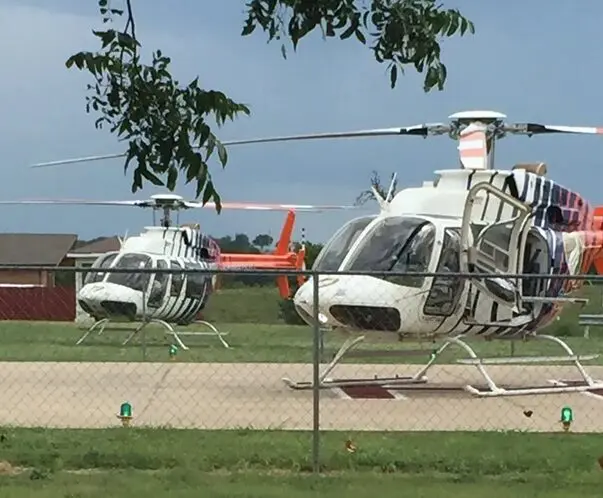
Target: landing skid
[
  {"x": 493, "y": 389},
  {"x": 213, "y": 331}
]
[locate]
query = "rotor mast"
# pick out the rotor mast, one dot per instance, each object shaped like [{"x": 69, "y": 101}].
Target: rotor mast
[
  {"x": 166, "y": 204},
  {"x": 477, "y": 132}
]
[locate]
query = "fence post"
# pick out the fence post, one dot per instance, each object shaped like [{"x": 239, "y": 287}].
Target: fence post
[
  {"x": 144, "y": 329},
  {"x": 316, "y": 354}
]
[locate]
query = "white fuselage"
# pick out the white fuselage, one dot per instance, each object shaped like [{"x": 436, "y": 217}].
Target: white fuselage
[{"x": 419, "y": 231}]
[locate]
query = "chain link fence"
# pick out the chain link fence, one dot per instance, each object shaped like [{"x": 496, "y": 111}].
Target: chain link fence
[{"x": 218, "y": 351}]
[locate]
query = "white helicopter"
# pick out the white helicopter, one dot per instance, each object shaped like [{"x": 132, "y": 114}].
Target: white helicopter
[
  {"x": 172, "y": 298},
  {"x": 471, "y": 220}
]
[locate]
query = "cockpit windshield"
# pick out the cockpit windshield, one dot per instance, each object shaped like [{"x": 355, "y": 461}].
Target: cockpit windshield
[
  {"x": 135, "y": 280},
  {"x": 396, "y": 244},
  {"x": 333, "y": 254}
]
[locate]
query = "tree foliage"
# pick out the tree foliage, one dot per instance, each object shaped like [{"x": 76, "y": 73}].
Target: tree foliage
[
  {"x": 367, "y": 195},
  {"x": 168, "y": 125},
  {"x": 400, "y": 33},
  {"x": 263, "y": 240}
]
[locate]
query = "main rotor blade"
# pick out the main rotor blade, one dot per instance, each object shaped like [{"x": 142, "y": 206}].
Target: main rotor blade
[
  {"x": 419, "y": 130},
  {"x": 422, "y": 130},
  {"x": 254, "y": 206},
  {"x": 77, "y": 201},
  {"x": 540, "y": 129},
  {"x": 84, "y": 159}
]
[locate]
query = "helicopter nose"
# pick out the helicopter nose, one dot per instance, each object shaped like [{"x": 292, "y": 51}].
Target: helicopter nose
[
  {"x": 110, "y": 299},
  {"x": 358, "y": 301},
  {"x": 304, "y": 299}
]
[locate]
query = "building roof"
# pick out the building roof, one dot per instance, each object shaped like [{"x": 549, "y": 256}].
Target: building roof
[
  {"x": 99, "y": 246},
  {"x": 43, "y": 249}
]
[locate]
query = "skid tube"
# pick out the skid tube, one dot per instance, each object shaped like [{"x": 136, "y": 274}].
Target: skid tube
[
  {"x": 493, "y": 390},
  {"x": 100, "y": 325}
]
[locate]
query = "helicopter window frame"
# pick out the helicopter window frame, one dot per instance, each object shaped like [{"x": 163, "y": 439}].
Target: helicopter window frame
[
  {"x": 400, "y": 235},
  {"x": 177, "y": 279},
  {"x": 134, "y": 280},
  {"x": 157, "y": 293},
  {"x": 451, "y": 287},
  {"x": 93, "y": 276},
  {"x": 425, "y": 234},
  {"x": 195, "y": 282},
  {"x": 344, "y": 238}
]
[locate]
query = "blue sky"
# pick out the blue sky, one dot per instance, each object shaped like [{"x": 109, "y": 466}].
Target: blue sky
[{"x": 527, "y": 59}]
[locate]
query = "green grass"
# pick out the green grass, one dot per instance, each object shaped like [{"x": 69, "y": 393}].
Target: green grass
[
  {"x": 175, "y": 484},
  {"x": 170, "y": 463},
  {"x": 31, "y": 341},
  {"x": 245, "y": 305}
]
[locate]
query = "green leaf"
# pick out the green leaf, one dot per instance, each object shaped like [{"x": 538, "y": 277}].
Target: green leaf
[
  {"x": 149, "y": 175},
  {"x": 222, "y": 154},
  {"x": 248, "y": 28},
  {"x": 208, "y": 192},
  {"x": 454, "y": 25},
  {"x": 172, "y": 177},
  {"x": 348, "y": 32},
  {"x": 393, "y": 75},
  {"x": 360, "y": 36}
]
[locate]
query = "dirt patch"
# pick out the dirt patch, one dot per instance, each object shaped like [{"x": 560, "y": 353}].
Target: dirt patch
[{"x": 7, "y": 469}]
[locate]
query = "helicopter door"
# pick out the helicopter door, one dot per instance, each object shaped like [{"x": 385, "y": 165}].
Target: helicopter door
[{"x": 493, "y": 238}]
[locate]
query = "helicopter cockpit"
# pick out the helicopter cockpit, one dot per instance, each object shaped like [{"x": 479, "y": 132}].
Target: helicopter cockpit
[
  {"x": 393, "y": 244},
  {"x": 154, "y": 285},
  {"x": 390, "y": 246},
  {"x": 396, "y": 244},
  {"x": 335, "y": 251}
]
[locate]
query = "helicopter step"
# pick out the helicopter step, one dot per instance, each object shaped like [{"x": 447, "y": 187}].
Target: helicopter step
[{"x": 420, "y": 376}]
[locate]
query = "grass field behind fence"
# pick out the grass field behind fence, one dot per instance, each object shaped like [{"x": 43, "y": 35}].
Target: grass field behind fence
[{"x": 161, "y": 463}]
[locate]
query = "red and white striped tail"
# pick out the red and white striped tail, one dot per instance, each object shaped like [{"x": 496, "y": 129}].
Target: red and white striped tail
[{"x": 473, "y": 147}]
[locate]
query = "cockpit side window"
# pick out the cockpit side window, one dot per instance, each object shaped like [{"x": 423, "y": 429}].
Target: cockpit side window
[
  {"x": 134, "y": 280},
  {"x": 333, "y": 254},
  {"x": 446, "y": 291},
  {"x": 102, "y": 262},
  {"x": 414, "y": 257},
  {"x": 397, "y": 244}
]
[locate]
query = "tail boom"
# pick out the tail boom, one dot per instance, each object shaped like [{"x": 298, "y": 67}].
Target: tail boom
[{"x": 282, "y": 258}]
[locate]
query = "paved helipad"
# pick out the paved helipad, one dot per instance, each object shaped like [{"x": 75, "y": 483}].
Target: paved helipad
[{"x": 252, "y": 395}]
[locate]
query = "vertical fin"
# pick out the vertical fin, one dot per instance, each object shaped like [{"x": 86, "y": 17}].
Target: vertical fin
[
  {"x": 282, "y": 247},
  {"x": 473, "y": 147}
]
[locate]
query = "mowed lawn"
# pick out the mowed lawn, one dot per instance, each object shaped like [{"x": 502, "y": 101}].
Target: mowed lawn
[
  {"x": 167, "y": 463},
  {"x": 256, "y": 334}
]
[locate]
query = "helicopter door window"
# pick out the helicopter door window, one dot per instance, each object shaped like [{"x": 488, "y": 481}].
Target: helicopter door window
[
  {"x": 159, "y": 285},
  {"x": 334, "y": 252},
  {"x": 102, "y": 262},
  {"x": 134, "y": 280},
  {"x": 177, "y": 279},
  {"x": 446, "y": 291},
  {"x": 195, "y": 282},
  {"x": 397, "y": 244}
]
